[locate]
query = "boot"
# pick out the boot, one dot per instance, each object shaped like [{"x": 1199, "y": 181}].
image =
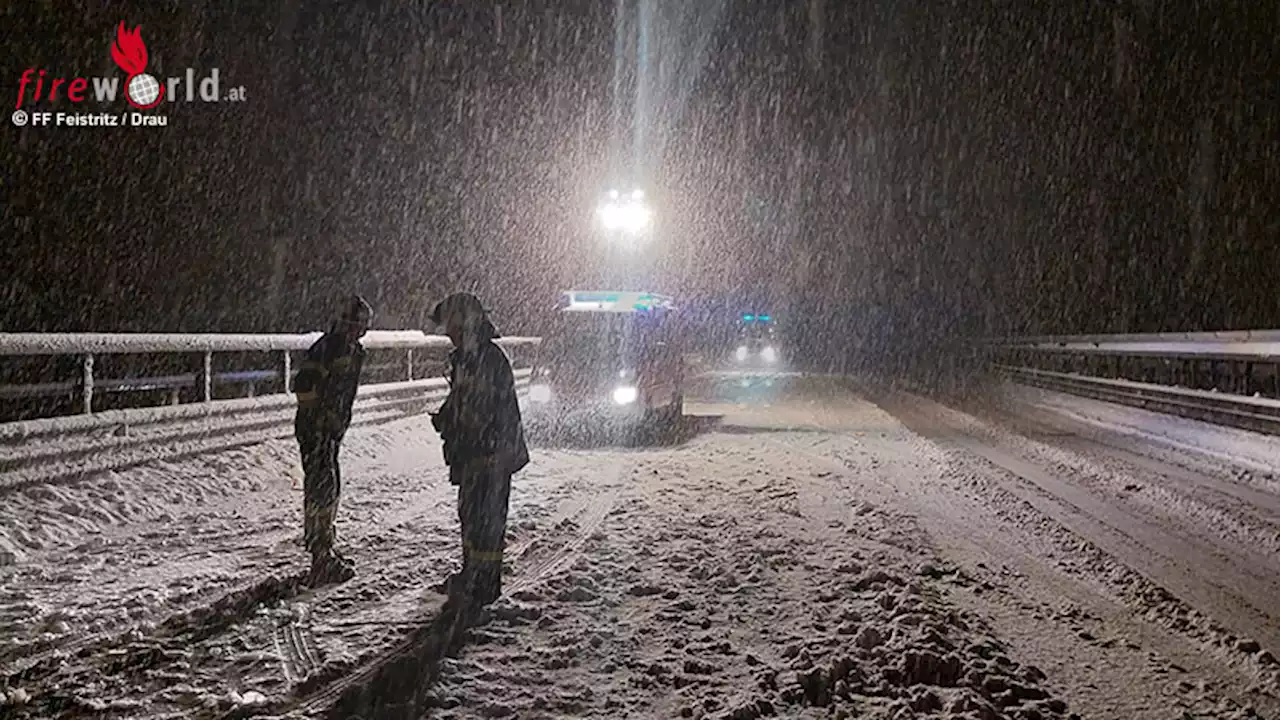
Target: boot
[
  {"x": 486, "y": 587},
  {"x": 451, "y": 585},
  {"x": 327, "y": 565},
  {"x": 487, "y": 594},
  {"x": 331, "y": 568}
]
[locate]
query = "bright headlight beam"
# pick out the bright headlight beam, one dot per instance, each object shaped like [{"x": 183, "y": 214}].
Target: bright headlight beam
[
  {"x": 629, "y": 215},
  {"x": 625, "y": 395},
  {"x": 625, "y": 217}
]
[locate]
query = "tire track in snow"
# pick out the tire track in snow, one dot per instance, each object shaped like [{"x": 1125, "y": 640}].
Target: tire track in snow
[
  {"x": 1185, "y": 588},
  {"x": 392, "y": 685}
]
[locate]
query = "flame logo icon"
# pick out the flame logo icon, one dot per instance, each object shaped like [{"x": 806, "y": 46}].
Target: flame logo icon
[{"x": 129, "y": 52}]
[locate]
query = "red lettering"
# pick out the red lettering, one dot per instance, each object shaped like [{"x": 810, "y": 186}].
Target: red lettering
[
  {"x": 22, "y": 85},
  {"x": 31, "y": 88},
  {"x": 78, "y": 87}
]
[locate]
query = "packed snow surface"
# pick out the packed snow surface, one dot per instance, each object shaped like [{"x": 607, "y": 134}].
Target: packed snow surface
[
  {"x": 808, "y": 556},
  {"x": 1238, "y": 447}
]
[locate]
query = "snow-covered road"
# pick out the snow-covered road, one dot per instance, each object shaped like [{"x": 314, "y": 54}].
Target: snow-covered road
[{"x": 812, "y": 555}]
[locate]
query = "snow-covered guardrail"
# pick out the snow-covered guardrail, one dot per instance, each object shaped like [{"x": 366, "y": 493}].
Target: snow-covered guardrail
[
  {"x": 88, "y": 347},
  {"x": 1233, "y": 367},
  {"x": 125, "y": 343},
  {"x": 1250, "y": 413},
  {"x": 70, "y": 445},
  {"x": 1194, "y": 337},
  {"x": 1242, "y": 345}
]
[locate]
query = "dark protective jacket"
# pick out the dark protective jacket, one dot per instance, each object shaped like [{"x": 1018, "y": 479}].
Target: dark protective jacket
[
  {"x": 481, "y": 416},
  {"x": 326, "y": 386}
]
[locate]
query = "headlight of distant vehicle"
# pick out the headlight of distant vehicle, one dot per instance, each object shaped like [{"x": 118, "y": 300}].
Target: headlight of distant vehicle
[
  {"x": 769, "y": 354},
  {"x": 741, "y": 353},
  {"x": 540, "y": 393},
  {"x": 625, "y": 395}
]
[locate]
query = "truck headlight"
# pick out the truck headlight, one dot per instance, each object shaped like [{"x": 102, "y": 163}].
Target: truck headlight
[
  {"x": 625, "y": 395},
  {"x": 769, "y": 354},
  {"x": 741, "y": 353},
  {"x": 540, "y": 393}
]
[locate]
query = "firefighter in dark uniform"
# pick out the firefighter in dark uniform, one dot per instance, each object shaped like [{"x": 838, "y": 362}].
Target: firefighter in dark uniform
[
  {"x": 326, "y": 389},
  {"x": 483, "y": 442}
]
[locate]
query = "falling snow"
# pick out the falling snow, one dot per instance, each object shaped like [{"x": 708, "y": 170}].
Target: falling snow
[{"x": 888, "y": 181}]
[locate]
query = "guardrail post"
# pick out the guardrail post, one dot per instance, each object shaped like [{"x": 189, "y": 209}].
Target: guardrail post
[
  {"x": 408, "y": 364},
  {"x": 86, "y": 384},
  {"x": 286, "y": 372},
  {"x": 206, "y": 378}
]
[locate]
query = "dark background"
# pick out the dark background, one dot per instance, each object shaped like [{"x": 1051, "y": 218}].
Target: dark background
[{"x": 883, "y": 173}]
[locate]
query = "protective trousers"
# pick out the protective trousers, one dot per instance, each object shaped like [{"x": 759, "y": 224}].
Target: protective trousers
[
  {"x": 484, "y": 490},
  {"x": 321, "y": 490}
]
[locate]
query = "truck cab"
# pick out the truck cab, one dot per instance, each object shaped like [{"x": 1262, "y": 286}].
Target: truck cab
[
  {"x": 757, "y": 345},
  {"x": 609, "y": 355}
]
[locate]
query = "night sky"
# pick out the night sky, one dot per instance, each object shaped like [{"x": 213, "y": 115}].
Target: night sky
[{"x": 898, "y": 172}]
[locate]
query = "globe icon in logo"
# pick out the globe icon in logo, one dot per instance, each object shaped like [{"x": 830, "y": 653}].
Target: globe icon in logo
[{"x": 143, "y": 89}]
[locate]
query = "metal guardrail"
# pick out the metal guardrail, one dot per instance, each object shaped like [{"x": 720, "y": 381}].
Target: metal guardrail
[
  {"x": 52, "y": 448},
  {"x": 136, "y": 343},
  {"x": 1190, "y": 337},
  {"x": 89, "y": 346},
  {"x": 1248, "y": 413},
  {"x": 173, "y": 384},
  {"x": 1256, "y": 346},
  {"x": 1223, "y": 377},
  {"x": 66, "y": 447}
]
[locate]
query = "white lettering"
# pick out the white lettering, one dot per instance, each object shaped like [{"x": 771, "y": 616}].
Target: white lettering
[
  {"x": 137, "y": 119},
  {"x": 85, "y": 120},
  {"x": 104, "y": 89},
  {"x": 107, "y": 89},
  {"x": 209, "y": 87}
]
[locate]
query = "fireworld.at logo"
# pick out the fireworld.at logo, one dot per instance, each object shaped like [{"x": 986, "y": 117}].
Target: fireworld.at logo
[{"x": 142, "y": 90}]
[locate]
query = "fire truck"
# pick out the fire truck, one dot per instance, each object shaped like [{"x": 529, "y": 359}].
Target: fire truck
[{"x": 609, "y": 356}]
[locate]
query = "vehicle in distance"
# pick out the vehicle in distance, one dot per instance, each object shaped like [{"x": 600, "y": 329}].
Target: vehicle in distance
[
  {"x": 610, "y": 357},
  {"x": 757, "y": 344}
]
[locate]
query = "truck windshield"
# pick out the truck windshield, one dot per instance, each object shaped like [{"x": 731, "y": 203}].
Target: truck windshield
[
  {"x": 755, "y": 332},
  {"x": 588, "y": 340}
]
